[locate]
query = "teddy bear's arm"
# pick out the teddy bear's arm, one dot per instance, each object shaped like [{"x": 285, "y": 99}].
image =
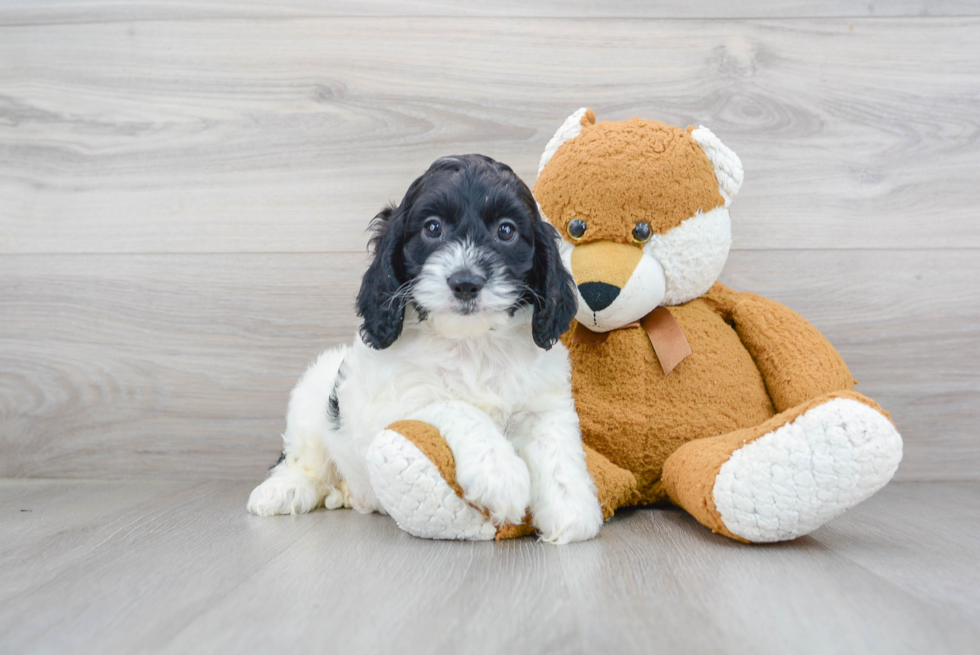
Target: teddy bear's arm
[
  {"x": 795, "y": 359},
  {"x": 413, "y": 470}
]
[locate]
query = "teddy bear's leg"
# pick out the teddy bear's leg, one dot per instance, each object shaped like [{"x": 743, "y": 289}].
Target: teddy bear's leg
[
  {"x": 790, "y": 475},
  {"x": 413, "y": 473}
]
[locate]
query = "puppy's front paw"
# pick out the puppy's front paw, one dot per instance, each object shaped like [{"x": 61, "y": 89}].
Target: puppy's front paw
[
  {"x": 497, "y": 481},
  {"x": 284, "y": 494},
  {"x": 564, "y": 515},
  {"x": 338, "y": 496}
]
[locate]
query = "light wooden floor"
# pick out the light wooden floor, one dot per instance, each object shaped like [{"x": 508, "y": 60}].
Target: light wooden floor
[{"x": 179, "y": 567}]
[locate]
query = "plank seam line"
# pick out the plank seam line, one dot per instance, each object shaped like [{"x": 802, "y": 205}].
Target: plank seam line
[{"x": 421, "y": 17}]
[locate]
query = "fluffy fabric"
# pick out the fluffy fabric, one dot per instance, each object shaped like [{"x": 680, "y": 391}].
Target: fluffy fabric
[
  {"x": 636, "y": 416},
  {"x": 613, "y": 175},
  {"x": 570, "y": 129},
  {"x": 488, "y": 469},
  {"x": 768, "y": 493},
  {"x": 799, "y": 365},
  {"x": 794, "y": 479},
  {"x": 643, "y": 289},
  {"x": 727, "y": 165},
  {"x": 417, "y": 492},
  {"x": 692, "y": 254},
  {"x": 414, "y": 471},
  {"x": 758, "y": 374},
  {"x": 617, "y": 486}
]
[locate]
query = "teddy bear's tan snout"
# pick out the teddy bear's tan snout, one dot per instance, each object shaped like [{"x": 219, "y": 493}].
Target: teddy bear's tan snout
[
  {"x": 617, "y": 283},
  {"x": 601, "y": 269}
]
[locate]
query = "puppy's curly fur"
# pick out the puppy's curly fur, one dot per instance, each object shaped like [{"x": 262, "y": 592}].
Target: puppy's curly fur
[{"x": 462, "y": 308}]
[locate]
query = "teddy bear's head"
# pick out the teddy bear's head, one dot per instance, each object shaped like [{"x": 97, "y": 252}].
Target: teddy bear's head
[{"x": 642, "y": 209}]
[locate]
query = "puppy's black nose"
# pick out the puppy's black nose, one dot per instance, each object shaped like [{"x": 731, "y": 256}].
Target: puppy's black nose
[
  {"x": 466, "y": 284},
  {"x": 598, "y": 295}
]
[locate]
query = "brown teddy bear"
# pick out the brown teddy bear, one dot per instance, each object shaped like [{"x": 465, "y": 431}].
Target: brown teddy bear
[{"x": 727, "y": 404}]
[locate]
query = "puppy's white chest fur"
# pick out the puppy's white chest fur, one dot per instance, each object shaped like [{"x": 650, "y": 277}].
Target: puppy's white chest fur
[{"x": 500, "y": 372}]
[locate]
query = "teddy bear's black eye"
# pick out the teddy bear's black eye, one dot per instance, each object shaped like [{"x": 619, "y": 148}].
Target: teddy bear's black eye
[
  {"x": 642, "y": 232},
  {"x": 576, "y": 228},
  {"x": 432, "y": 228}
]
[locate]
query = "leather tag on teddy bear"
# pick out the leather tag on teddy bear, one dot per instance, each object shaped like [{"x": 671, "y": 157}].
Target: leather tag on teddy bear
[{"x": 665, "y": 334}]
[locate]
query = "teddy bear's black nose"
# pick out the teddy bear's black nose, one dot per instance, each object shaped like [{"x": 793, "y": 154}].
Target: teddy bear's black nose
[{"x": 598, "y": 295}]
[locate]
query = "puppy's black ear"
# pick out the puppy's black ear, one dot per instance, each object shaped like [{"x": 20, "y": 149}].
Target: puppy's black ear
[
  {"x": 555, "y": 302},
  {"x": 379, "y": 302}
]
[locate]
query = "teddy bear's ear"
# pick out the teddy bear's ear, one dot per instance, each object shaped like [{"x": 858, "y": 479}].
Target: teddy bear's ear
[
  {"x": 570, "y": 129},
  {"x": 727, "y": 165}
]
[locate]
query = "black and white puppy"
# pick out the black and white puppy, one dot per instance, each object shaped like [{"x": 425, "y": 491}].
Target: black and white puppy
[{"x": 462, "y": 308}]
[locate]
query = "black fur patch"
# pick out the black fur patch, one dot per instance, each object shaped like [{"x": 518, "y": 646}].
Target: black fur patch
[
  {"x": 333, "y": 409},
  {"x": 333, "y": 402}
]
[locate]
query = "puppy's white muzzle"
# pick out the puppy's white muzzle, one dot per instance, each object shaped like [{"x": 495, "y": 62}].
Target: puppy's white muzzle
[{"x": 463, "y": 293}]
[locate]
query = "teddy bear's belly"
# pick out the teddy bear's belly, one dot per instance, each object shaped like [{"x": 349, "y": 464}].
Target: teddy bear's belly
[{"x": 634, "y": 415}]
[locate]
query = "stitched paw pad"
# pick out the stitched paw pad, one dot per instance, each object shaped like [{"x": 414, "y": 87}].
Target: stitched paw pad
[
  {"x": 796, "y": 478},
  {"x": 414, "y": 493}
]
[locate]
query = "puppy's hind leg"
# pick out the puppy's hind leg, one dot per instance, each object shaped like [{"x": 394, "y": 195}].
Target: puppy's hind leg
[{"x": 305, "y": 476}]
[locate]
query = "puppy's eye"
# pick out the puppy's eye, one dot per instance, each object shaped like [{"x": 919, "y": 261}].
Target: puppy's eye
[
  {"x": 432, "y": 228},
  {"x": 576, "y": 228},
  {"x": 506, "y": 231},
  {"x": 642, "y": 232}
]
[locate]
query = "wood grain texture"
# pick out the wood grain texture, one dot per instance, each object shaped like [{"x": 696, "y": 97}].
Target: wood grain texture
[
  {"x": 287, "y": 135},
  {"x": 96, "y": 567},
  {"x": 142, "y": 366},
  {"x": 181, "y": 365},
  {"x": 949, "y": 513},
  {"x": 27, "y": 12}
]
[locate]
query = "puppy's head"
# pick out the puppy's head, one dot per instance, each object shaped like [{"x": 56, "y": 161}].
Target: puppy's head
[{"x": 467, "y": 247}]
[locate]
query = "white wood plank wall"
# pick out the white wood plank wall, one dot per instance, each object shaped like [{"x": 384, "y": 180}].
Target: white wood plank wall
[{"x": 184, "y": 189}]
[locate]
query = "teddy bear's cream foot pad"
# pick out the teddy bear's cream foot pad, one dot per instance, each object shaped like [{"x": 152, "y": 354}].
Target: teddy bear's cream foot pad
[
  {"x": 414, "y": 492},
  {"x": 794, "y": 479}
]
